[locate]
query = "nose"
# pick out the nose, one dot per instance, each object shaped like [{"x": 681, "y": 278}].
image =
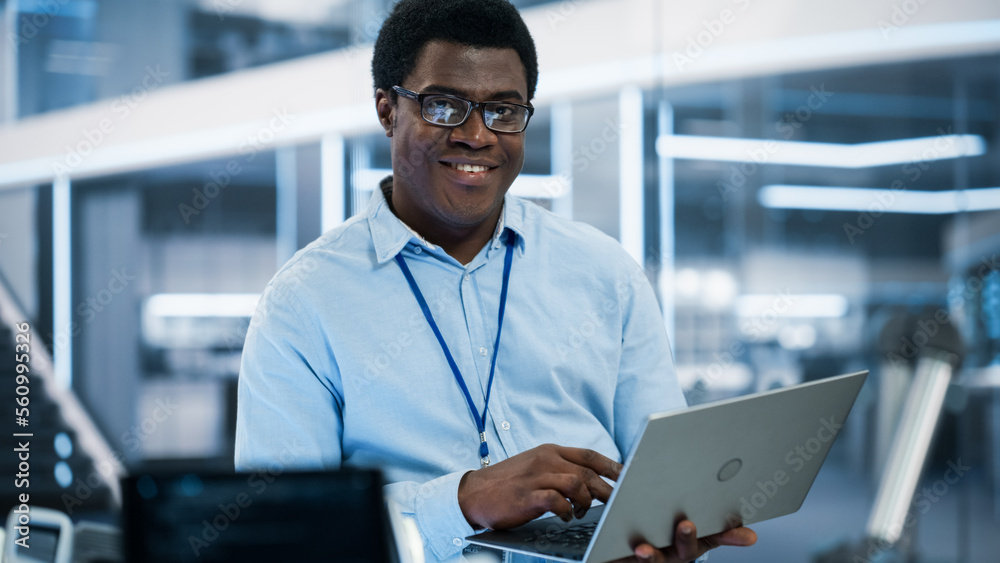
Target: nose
[{"x": 474, "y": 133}]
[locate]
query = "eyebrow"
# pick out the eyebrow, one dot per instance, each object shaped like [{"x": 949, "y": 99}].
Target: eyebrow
[{"x": 502, "y": 95}]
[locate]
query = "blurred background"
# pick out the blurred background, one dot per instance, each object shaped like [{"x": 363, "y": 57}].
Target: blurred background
[{"x": 812, "y": 187}]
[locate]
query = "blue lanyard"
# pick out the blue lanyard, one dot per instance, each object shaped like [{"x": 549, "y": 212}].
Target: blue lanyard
[{"x": 484, "y": 450}]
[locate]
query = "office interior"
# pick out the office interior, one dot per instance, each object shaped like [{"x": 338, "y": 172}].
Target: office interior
[{"x": 812, "y": 188}]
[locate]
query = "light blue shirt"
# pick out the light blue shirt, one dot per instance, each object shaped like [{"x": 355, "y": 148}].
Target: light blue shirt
[{"x": 340, "y": 366}]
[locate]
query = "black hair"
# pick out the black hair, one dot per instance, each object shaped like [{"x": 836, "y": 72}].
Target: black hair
[{"x": 476, "y": 23}]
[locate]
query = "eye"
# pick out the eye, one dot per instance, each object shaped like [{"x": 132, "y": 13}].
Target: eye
[
  {"x": 506, "y": 114},
  {"x": 505, "y": 110},
  {"x": 441, "y": 103},
  {"x": 443, "y": 110}
]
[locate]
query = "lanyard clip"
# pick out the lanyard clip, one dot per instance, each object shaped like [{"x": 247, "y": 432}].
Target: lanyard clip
[{"x": 484, "y": 451}]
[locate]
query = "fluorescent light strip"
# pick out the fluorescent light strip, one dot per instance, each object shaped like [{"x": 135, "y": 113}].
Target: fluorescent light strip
[
  {"x": 202, "y": 304},
  {"x": 832, "y": 155},
  {"x": 62, "y": 281},
  {"x": 536, "y": 186},
  {"x": 878, "y": 200},
  {"x": 540, "y": 186},
  {"x": 800, "y": 306}
]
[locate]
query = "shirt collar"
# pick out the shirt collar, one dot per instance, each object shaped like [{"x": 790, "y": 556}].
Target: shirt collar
[{"x": 390, "y": 235}]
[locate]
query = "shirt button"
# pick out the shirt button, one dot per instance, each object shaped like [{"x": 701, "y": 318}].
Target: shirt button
[
  {"x": 457, "y": 542},
  {"x": 505, "y": 425},
  {"x": 483, "y": 351},
  {"x": 467, "y": 277},
  {"x": 417, "y": 250}
]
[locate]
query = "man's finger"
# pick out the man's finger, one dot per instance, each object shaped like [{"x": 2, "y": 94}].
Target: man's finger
[
  {"x": 736, "y": 537},
  {"x": 594, "y": 466},
  {"x": 686, "y": 541},
  {"x": 570, "y": 486},
  {"x": 599, "y": 464},
  {"x": 687, "y": 546},
  {"x": 550, "y": 500},
  {"x": 646, "y": 553},
  {"x": 597, "y": 487}
]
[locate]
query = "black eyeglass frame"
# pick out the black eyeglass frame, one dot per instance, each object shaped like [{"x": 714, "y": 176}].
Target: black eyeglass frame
[{"x": 419, "y": 98}]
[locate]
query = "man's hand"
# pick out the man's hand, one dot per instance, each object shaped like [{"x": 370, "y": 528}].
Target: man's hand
[
  {"x": 548, "y": 478},
  {"x": 688, "y": 547}
]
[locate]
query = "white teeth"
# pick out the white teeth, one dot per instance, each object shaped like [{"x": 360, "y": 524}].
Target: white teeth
[{"x": 468, "y": 167}]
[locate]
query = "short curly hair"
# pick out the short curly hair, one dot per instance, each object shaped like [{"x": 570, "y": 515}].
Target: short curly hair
[{"x": 476, "y": 23}]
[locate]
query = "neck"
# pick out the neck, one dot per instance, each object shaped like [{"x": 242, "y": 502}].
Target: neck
[{"x": 461, "y": 243}]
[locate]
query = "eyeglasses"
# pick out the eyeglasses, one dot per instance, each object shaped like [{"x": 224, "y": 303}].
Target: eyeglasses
[{"x": 452, "y": 111}]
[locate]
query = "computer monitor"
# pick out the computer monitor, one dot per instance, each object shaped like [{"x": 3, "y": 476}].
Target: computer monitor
[{"x": 292, "y": 517}]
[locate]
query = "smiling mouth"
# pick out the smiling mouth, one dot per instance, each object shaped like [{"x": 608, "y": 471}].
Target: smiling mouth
[{"x": 468, "y": 167}]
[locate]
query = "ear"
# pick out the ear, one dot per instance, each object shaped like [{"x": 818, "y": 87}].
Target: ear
[{"x": 386, "y": 111}]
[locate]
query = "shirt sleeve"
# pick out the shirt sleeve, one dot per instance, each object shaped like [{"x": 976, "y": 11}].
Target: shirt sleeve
[
  {"x": 289, "y": 415},
  {"x": 286, "y": 397},
  {"x": 434, "y": 506},
  {"x": 647, "y": 381}
]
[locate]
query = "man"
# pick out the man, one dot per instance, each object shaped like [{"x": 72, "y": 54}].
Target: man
[{"x": 494, "y": 360}]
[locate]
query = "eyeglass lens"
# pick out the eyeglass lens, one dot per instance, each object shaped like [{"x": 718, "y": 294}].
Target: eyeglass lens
[{"x": 447, "y": 110}]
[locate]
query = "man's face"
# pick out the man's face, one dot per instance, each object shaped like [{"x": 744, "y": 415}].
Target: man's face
[{"x": 430, "y": 191}]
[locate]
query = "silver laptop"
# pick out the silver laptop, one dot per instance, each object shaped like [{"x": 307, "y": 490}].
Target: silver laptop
[{"x": 723, "y": 464}]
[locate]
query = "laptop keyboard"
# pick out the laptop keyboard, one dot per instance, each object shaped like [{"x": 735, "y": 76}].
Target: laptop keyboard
[{"x": 575, "y": 538}]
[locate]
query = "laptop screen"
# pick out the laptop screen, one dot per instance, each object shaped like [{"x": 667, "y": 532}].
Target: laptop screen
[{"x": 178, "y": 517}]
